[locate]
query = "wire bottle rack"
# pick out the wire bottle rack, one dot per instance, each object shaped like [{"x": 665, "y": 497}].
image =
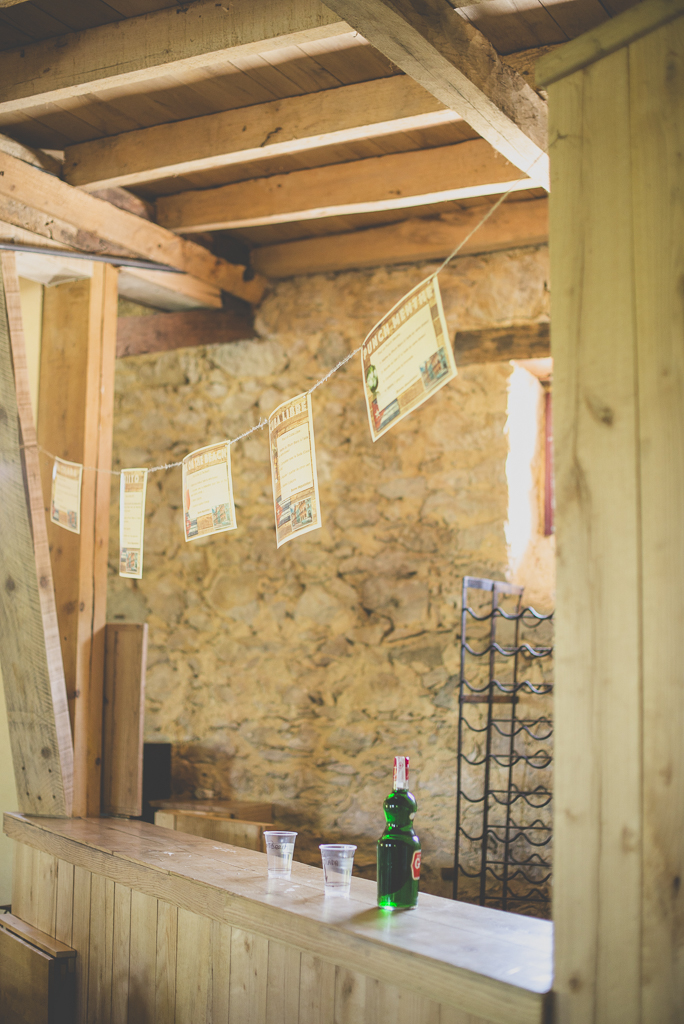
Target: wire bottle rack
[{"x": 503, "y": 850}]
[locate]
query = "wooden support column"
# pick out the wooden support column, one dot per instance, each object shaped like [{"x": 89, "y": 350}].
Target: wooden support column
[
  {"x": 616, "y": 101},
  {"x": 32, "y": 670},
  {"x": 75, "y": 422}
]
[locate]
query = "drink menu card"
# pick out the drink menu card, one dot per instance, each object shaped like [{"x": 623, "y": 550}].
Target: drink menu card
[
  {"x": 406, "y": 358},
  {"x": 293, "y": 469},
  {"x": 65, "y": 502},
  {"x": 208, "y": 504},
  {"x": 132, "y": 522}
]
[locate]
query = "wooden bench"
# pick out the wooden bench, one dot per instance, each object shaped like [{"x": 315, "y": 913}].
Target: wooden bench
[
  {"x": 246, "y": 810},
  {"x": 234, "y": 831}
]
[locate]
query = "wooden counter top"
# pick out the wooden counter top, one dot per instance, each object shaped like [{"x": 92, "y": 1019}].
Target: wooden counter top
[{"x": 485, "y": 962}]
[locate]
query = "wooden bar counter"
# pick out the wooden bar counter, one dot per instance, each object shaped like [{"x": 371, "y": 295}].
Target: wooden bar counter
[{"x": 171, "y": 927}]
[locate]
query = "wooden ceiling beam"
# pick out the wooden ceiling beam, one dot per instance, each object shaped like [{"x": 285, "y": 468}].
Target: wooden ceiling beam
[
  {"x": 513, "y": 225},
  {"x": 162, "y": 332},
  {"x": 499, "y": 344},
  {"x": 21, "y": 225},
  {"x": 392, "y": 182},
  {"x": 349, "y": 113},
  {"x": 136, "y": 50},
  {"x": 96, "y": 218},
  {"x": 37, "y": 157},
  {"x": 454, "y": 61}
]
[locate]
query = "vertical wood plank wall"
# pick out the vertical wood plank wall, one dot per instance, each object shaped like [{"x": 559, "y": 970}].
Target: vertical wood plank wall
[
  {"x": 75, "y": 420},
  {"x": 617, "y": 267},
  {"x": 143, "y": 961}
]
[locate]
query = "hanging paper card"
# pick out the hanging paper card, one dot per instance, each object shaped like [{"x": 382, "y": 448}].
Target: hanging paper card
[
  {"x": 132, "y": 522},
  {"x": 65, "y": 504},
  {"x": 293, "y": 469},
  {"x": 406, "y": 358},
  {"x": 208, "y": 504}
]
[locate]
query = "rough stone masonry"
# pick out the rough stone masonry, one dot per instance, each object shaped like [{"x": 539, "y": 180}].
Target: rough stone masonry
[{"x": 296, "y": 675}]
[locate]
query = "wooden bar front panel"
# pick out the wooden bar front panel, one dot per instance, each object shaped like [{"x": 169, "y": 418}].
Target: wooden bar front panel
[
  {"x": 174, "y": 927},
  {"x": 144, "y": 961}
]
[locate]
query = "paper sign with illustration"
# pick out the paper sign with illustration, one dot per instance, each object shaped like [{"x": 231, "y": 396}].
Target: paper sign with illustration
[
  {"x": 293, "y": 469},
  {"x": 132, "y": 522},
  {"x": 406, "y": 358},
  {"x": 65, "y": 503},
  {"x": 208, "y": 505}
]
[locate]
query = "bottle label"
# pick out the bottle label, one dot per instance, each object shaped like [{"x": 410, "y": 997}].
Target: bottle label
[
  {"x": 415, "y": 865},
  {"x": 401, "y": 773}
]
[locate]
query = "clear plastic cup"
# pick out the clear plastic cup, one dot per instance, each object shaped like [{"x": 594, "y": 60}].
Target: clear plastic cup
[
  {"x": 338, "y": 860},
  {"x": 279, "y": 849}
]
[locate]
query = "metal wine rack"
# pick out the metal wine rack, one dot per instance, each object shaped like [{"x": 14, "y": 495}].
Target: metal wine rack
[{"x": 503, "y": 850}]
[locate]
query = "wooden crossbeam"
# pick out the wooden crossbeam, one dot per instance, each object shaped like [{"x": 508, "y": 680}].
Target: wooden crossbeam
[
  {"x": 160, "y": 332},
  {"x": 395, "y": 181},
  {"x": 37, "y": 157},
  {"x": 150, "y": 287},
  {"x": 103, "y": 224},
  {"x": 136, "y": 50},
  {"x": 498, "y": 344},
  {"x": 347, "y": 114},
  {"x": 514, "y": 224},
  {"x": 32, "y": 668},
  {"x": 453, "y": 60}
]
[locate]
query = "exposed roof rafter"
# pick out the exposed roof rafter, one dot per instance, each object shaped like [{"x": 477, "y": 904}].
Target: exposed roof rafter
[
  {"x": 136, "y": 50},
  {"x": 454, "y": 61},
  {"x": 513, "y": 225},
  {"x": 25, "y": 187},
  {"x": 348, "y": 114},
  {"x": 393, "y": 182}
]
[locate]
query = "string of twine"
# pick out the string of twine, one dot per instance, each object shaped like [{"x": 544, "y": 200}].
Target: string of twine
[{"x": 264, "y": 422}]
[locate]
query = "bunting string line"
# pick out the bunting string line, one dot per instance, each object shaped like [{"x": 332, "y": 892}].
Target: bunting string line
[{"x": 264, "y": 422}]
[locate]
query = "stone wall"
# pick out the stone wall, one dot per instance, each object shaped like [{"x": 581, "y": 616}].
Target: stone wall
[{"x": 296, "y": 675}]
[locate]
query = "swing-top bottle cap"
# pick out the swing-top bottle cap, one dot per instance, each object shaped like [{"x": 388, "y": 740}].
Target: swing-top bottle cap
[{"x": 401, "y": 773}]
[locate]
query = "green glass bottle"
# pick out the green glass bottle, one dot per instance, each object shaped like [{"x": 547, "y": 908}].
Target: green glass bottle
[{"x": 399, "y": 846}]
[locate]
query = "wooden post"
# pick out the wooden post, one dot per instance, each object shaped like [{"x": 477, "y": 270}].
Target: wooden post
[
  {"x": 32, "y": 670},
  {"x": 75, "y": 412},
  {"x": 617, "y": 227},
  {"x": 123, "y": 719}
]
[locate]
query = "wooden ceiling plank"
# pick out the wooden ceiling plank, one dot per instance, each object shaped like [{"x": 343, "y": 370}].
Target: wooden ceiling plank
[
  {"x": 453, "y": 60},
  {"x": 511, "y": 26},
  {"x": 139, "y": 49},
  {"x": 293, "y": 125},
  {"x": 34, "y": 188},
  {"x": 513, "y": 225},
  {"x": 397, "y": 181}
]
